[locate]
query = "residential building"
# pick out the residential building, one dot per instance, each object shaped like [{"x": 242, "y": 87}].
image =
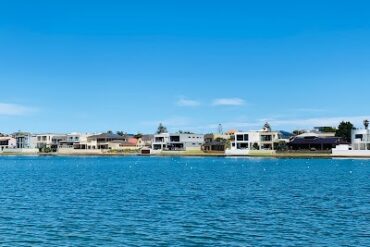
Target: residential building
[
  {"x": 360, "y": 144},
  {"x": 7, "y": 142},
  {"x": 185, "y": 142},
  {"x": 360, "y": 139},
  {"x": 129, "y": 144},
  {"x": 262, "y": 140},
  {"x": 178, "y": 142},
  {"x": 160, "y": 141},
  {"x": 25, "y": 140},
  {"x": 314, "y": 142},
  {"x": 73, "y": 141},
  {"x": 103, "y": 141},
  {"x": 48, "y": 140},
  {"x": 145, "y": 141},
  {"x": 215, "y": 142}
]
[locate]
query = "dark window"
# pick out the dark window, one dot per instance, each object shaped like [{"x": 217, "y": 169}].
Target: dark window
[
  {"x": 175, "y": 138},
  {"x": 310, "y": 137},
  {"x": 359, "y": 136},
  {"x": 239, "y": 137},
  {"x": 266, "y": 138},
  {"x": 243, "y": 145}
]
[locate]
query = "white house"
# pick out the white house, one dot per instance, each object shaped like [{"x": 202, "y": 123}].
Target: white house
[
  {"x": 264, "y": 139},
  {"x": 25, "y": 140},
  {"x": 160, "y": 141},
  {"x": 72, "y": 141},
  {"x": 178, "y": 142},
  {"x": 360, "y": 139},
  {"x": 20, "y": 142},
  {"x": 360, "y": 144},
  {"x": 48, "y": 140}
]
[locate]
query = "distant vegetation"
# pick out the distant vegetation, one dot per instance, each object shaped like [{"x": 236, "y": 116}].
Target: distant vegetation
[
  {"x": 345, "y": 131},
  {"x": 161, "y": 129},
  {"x": 184, "y": 132},
  {"x": 328, "y": 129}
]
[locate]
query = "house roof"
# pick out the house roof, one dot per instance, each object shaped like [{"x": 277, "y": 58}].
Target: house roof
[
  {"x": 107, "y": 136},
  {"x": 5, "y": 138},
  {"x": 317, "y": 140},
  {"x": 147, "y": 137}
]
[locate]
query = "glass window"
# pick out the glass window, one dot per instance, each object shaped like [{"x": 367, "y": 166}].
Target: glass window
[
  {"x": 266, "y": 138},
  {"x": 359, "y": 136}
]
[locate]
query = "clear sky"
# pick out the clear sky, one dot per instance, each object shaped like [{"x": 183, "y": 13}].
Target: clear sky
[{"x": 128, "y": 65}]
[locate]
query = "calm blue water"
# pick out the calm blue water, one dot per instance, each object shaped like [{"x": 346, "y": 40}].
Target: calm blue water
[{"x": 146, "y": 201}]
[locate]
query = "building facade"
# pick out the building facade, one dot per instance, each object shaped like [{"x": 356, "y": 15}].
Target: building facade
[
  {"x": 7, "y": 142},
  {"x": 262, "y": 140},
  {"x": 48, "y": 140},
  {"x": 216, "y": 142},
  {"x": 105, "y": 141},
  {"x": 360, "y": 145},
  {"x": 25, "y": 140},
  {"x": 361, "y": 139},
  {"x": 255, "y": 140},
  {"x": 160, "y": 141},
  {"x": 178, "y": 142},
  {"x": 314, "y": 142}
]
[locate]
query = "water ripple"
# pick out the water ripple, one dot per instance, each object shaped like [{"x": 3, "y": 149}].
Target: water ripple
[{"x": 140, "y": 201}]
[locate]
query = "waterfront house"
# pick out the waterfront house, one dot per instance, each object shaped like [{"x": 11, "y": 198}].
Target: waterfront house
[
  {"x": 185, "y": 142},
  {"x": 25, "y": 140},
  {"x": 178, "y": 142},
  {"x": 314, "y": 142},
  {"x": 7, "y": 142},
  {"x": 74, "y": 141},
  {"x": 129, "y": 144},
  {"x": 264, "y": 139},
  {"x": 361, "y": 139},
  {"x": 105, "y": 141},
  {"x": 360, "y": 144},
  {"x": 48, "y": 140},
  {"x": 215, "y": 142},
  {"x": 261, "y": 140},
  {"x": 145, "y": 141},
  {"x": 160, "y": 141}
]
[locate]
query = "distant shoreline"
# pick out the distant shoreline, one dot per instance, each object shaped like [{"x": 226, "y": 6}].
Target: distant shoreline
[{"x": 278, "y": 155}]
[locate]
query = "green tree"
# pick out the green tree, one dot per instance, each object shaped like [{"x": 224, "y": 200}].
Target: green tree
[
  {"x": 328, "y": 129},
  {"x": 120, "y": 133},
  {"x": 161, "y": 129},
  {"x": 138, "y": 136},
  {"x": 344, "y": 131},
  {"x": 281, "y": 146}
]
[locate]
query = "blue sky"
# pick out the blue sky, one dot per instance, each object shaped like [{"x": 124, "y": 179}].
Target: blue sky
[{"x": 128, "y": 65}]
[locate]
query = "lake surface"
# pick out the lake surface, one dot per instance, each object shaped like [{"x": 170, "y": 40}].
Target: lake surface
[{"x": 154, "y": 201}]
